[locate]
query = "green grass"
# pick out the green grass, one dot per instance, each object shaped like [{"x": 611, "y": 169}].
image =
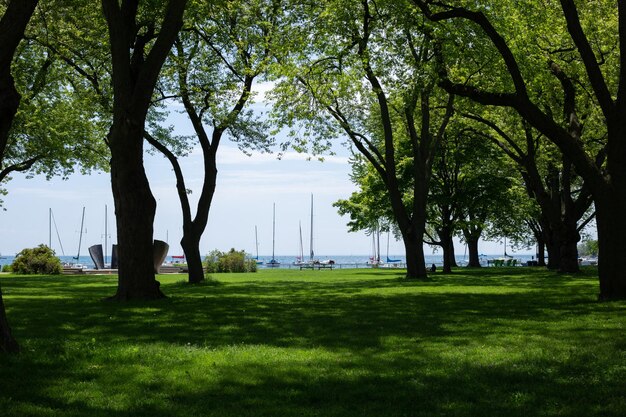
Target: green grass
[{"x": 495, "y": 342}]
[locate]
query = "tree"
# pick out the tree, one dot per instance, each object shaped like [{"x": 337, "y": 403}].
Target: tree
[
  {"x": 369, "y": 71},
  {"x": 471, "y": 190},
  {"x": 215, "y": 62},
  {"x": 551, "y": 181},
  {"x": 140, "y": 44},
  {"x": 578, "y": 50},
  {"x": 12, "y": 27}
]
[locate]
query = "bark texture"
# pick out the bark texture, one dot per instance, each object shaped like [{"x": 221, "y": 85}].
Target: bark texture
[
  {"x": 138, "y": 54},
  {"x": 12, "y": 27}
]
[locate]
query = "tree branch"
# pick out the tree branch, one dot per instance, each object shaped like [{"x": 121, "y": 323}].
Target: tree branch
[{"x": 589, "y": 59}]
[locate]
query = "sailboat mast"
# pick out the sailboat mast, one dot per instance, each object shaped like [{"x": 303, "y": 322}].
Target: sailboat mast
[
  {"x": 50, "y": 227},
  {"x": 312, "y": 253},
  {"x": 378, "y": 242},
  {"x": 256, "y": 243},
  {"x": 387, "y": 245},
  {"x": 80, "y": 238},
  {"x": 301, "y": 252},
  {"x": 105, "y": 233},
  {"x": 273, "y": 230}
]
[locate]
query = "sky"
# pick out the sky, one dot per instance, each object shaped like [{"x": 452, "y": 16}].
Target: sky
[{"x": 247, "y": 189}]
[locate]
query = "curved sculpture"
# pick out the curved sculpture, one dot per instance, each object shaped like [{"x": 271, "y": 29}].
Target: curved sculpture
[
  {"x": 160, "y": 249},
  {"x": 95, "y": 252},
  {"x": 114, "y": 257}
]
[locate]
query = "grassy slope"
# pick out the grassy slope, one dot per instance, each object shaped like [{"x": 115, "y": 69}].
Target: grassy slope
[{"x": 512, "y": 342}]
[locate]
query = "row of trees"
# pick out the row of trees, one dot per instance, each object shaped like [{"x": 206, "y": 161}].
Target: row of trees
[
  {"x": 418, "y": 88},
  {"x": 430, "y": 161}
]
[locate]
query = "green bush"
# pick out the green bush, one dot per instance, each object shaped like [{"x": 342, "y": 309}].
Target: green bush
[
  {"x": 6, "y": 268},
  {"x": 231, "y": 261},
  {"x": 39, "y": 260}
]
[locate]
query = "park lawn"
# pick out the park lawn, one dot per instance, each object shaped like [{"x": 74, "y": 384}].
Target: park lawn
[{"x": 493, "y": 342}]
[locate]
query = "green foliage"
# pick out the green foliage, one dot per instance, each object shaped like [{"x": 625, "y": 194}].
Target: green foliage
[
  {"x": 58, "y": 128},
  {"x": 39, "y": 260},
  {"x": 231, "y": 261},
  {"x": 588, "y": 248},
  {"x": 6, "y": 268}
]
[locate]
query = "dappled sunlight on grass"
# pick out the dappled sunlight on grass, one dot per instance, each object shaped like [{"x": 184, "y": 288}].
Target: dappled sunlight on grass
[{"x": 513, "y": 342}]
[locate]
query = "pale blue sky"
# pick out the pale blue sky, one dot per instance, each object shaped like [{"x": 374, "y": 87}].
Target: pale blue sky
[{"x": 247, "y": 187}]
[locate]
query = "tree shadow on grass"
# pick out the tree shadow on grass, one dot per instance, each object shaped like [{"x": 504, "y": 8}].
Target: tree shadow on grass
[
  {"x": 349, "y": 314},
  {"x": 363, "y": 383},
  {"x": 380, "y": 346}
]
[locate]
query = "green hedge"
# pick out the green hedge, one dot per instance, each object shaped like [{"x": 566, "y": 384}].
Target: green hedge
[{"x": 231, "y": 261}]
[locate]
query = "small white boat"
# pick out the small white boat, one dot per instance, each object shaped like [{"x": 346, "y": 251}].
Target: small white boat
[
  {"x": 273, "y": 263},
  {"x": 587, "y": 261}
]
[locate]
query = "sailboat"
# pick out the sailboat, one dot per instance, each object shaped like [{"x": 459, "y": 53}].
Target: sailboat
[
  {"x": 300, "y": 258},
  {"x": 51, "y": 221},
  {"x": 375, "y": 258},
  {"x": 390, "y": 260},
  {"x": 312, "y": 253},
  {"x": 256, "y": 243},
  {"x": 80, "y": 240},
  {"x": 273, "y": 263}
]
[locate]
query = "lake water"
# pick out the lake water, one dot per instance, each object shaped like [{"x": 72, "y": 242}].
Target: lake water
[{"x": 351, "y": 261}]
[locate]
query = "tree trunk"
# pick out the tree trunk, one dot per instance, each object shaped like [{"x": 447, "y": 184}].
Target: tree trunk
[
  {"x": 541, "y": 252},
  {"x": 135, "y": 73},
  {"x": 9, "y": 102},
  {"x": 191, "y": 246},
  {"x": 7, "y": 342},
  {"x": 553, "y": 246},
  {"x": 134, "y": 210},
  {"x": 452, "y": 253},
  {"x": 12, "y": 26},
  {"x": 192, "y": 228},
  {"x": 414, "y": 252},
  {"x": 448, "y": 249},
  {"x": 472, "y": 248},
  {"x": 611, "y": 224},
  {"x": 568, "y": 250}
]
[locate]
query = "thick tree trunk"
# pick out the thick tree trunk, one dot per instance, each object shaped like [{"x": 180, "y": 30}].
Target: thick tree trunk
[
  {"x": 568, "y": 250},
  {"x": 610, "y": 203},
  {"x": 12, "y": 26},
  {"x": 611, "y": 223},
  {"x": 541, "y": 252},
  {"x": 452, "y": 253},
  {"x": 448, "y": 249},
  {"x": 472, "y": 248},
  {"x": 134, "y": 209},
  {"x": 9, "y": 102},
  {"x": 553, "y": 250},
  {"x": 137, "y": 57},
  {"x": 414, "y": 252},
  {"x": 7, "y": 342},
  {"x": 191, "y": 246}
]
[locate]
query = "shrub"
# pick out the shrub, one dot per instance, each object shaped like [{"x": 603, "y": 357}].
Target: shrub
[
  {"x": 231, "y": 261},
  {"x": 39, "y": 260},
  {"x": 6, "y": 268}
]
